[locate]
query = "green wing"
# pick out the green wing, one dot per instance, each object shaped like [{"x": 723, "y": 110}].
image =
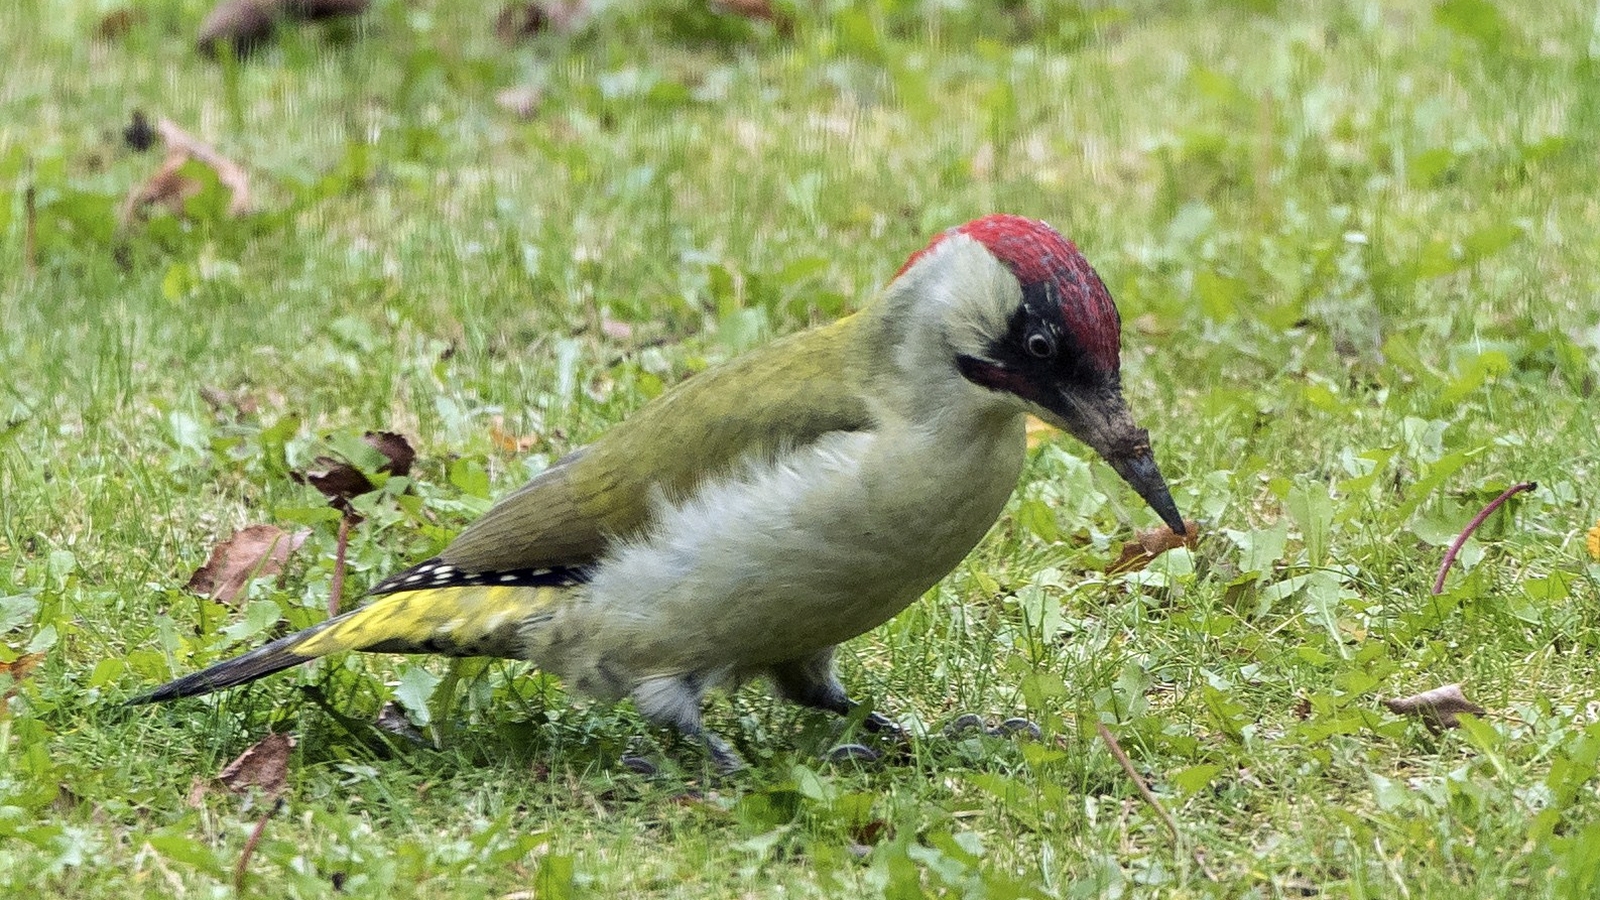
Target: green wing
[{"x": 781, "y": 396}]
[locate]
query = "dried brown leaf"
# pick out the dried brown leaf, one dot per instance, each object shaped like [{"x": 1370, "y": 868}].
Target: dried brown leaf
[
  {"x": 395, "y": 448},
  {"x": 250, "y": 552},
  {"x": 118, "y": 22},
  {"x": 522, "y": 20},
  {"x": 168, "y": 187},
  {"x": 1139, "y": 553},
  {"x": 265, "y": 765},
  {"x": 1437, "y": 708},
  {"x": 171, "y": 187},
  {"x": 510, "y": 443},
  {"x": 18, "y": 669},
  {"x": 248, "y": 24},
  {"x": 337, "y": 480},
  {"x": 870, "y": 832},
  {"x": 340, "y": 481}
]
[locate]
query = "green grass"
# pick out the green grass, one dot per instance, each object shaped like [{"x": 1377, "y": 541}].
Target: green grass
[{"x": 1353, "y": 246}]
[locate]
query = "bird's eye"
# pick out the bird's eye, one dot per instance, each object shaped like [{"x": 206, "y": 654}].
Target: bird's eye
[{"x": 1039, "y": 344}]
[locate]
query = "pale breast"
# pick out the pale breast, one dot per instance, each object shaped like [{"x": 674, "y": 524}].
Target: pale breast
[{"x": 787, "y": 557}]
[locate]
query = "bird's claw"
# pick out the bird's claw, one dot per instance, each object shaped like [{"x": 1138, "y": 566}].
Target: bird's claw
[
  {"x": 860, "y": 753},
  {"x": 962, "y": 724},
  {"x": 639, "y": 765},
  {"x": 1017, "y": 727},
  {"x": 1014, "y": 727}
]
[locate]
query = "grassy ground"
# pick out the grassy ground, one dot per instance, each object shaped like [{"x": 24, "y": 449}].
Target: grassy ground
[{"x": 1353, "y": 245}]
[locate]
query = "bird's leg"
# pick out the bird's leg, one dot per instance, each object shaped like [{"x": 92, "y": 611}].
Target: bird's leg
[
  {"x": 810, "y": 681},
  {"x": 674, "y": 701}
]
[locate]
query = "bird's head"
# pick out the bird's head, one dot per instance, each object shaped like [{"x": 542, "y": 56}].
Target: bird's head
[{"x": 1025, "y": 321}]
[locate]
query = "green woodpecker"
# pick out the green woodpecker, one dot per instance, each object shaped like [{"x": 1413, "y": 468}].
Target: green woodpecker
[{"x": 752, "y": 518}]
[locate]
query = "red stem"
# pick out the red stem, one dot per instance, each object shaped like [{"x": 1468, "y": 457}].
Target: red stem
[
  {"x": 243, "y": 865},
  {"x": 1485, "y": 513}
]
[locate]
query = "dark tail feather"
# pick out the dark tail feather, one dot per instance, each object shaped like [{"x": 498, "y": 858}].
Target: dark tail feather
[{"x": 258, "y": 663}]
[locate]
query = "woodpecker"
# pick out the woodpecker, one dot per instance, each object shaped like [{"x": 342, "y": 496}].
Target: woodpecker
[{"x": 748, "y": 521}]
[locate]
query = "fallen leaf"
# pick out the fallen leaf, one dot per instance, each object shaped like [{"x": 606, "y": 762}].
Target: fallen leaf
[
  {"x": 340, "y": 481},
  {"x": 248, "y": 24},
  {"x": 1302, "y": 708},
  {"x": 870, "y": 832},
  {"x": 337, "y": 480},
  {"x": 265, "y": 765},
  {"x": 170, "y": 186},
  {"x": 1139, "y": 553},
  {"x": 508, "y": 442},
  {"x": 250, "y": 552},
  {"x": 19, "y": 669},
  {"x": 1592, "y": 540},
  {"x": 395, "y": 448},
  {"x": 118, "y": 22},
  {"x": 520, "y": 21},
  {"x": 1437, "y": 708}
]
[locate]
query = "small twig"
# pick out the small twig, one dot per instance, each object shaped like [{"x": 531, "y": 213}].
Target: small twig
[
  {"x": 1138, "y": 780},
  {"x": 243, "y": 864},
  {"x": 30, "y": 232},
  {"x": 228, "y": 172},
  {"x": 336, "y": 588},
  {"x": 1483, "y": 515},
  {"x": 1150, "y": 797},
  {"x": 169, "y": 185}
]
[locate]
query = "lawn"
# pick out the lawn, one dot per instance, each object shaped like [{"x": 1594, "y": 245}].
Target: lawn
[{"x": 1354, "y": 250}]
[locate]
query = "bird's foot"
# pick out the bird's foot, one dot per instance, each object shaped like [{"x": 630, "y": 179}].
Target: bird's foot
[
  {"x": 724, "y": 758},
  {"x": 857, "y": 753},
  {"x": 890, "y": 743},
  {"x": 971, "y": 723},
  {"x": 639, "y": 765}
]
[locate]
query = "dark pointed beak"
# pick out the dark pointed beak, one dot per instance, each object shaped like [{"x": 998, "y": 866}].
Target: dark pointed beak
[
  {"x": 1139, "y": 470},
  {"x": 1100, "y": 419}
]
